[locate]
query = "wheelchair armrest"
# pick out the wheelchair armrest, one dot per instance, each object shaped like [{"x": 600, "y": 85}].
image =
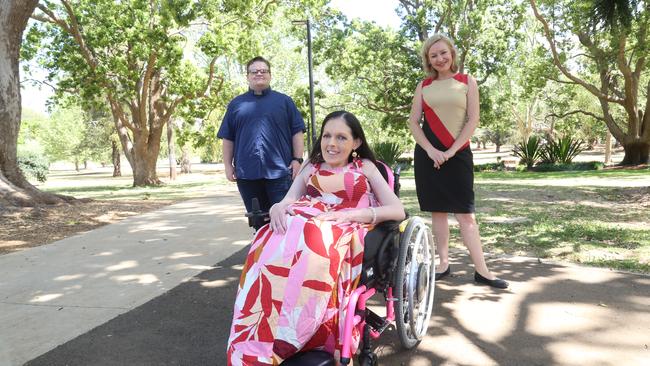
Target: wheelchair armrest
[{"x": 389, "y": 225}]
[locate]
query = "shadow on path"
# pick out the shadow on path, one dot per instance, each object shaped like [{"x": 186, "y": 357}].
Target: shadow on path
[
  {"x": 552, "y": 315},
  {"x": 187, "y": 325}
]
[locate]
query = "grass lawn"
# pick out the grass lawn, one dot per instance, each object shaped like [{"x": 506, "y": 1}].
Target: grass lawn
[
  {"x": 599, "y": 218},
  {"x": 101, "y": 185}
]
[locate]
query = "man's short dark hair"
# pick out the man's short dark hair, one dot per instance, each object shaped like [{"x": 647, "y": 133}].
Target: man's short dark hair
[{"x": 256, "y": 59}]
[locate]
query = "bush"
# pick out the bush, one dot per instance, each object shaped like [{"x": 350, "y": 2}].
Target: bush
[
  {"x": 405, "y": 163},
  {"x": 34, "y": 165},
  {"x": 529, "y": 151},
  {"x": 490, "y": 167},
  {"x": 388, "y": 152},
  {"x": 548, "y": 167},
  {"x": 563, "y": 150}
]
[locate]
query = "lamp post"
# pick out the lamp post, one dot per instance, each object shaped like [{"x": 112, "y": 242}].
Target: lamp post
[{"x": 311, "y": 79}]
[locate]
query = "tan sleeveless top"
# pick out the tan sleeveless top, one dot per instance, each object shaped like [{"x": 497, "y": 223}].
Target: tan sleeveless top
[{"x": 445, "y": 106}]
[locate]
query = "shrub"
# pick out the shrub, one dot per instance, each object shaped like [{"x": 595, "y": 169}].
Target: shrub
[
  {"x": 529, "y": 151},
  {"x": 34, "y": 165},
  {"x": 388, "y": 152},
  {"x": 405, "y": 163},
  {"x": 490, "y": 167},
  {"x": 548, "y": 167},
  {"x": 563, "y": 150}
]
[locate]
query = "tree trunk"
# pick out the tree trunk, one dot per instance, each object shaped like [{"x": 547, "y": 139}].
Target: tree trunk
[
  {"x": 117, "y": 168},
  {"x": 171, "y": 152},
  {"x": 186, "y": 164},
  {"x": 608, "y": 148},
  {"x": 146, "y": 149},
  {"x": 498, "y": 148},
  {"x": 636, "y": 153},
  {"x": 15, "y": 190}
]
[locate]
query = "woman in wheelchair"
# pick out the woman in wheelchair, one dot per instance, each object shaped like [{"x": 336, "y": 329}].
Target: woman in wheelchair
[{"x": 303, "y": 266}]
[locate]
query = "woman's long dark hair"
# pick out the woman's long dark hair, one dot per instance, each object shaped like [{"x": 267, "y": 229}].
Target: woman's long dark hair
[{"x": 363, "y": 151}]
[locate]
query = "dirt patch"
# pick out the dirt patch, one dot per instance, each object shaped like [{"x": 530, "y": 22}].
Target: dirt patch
[{"x": 22, "y": 228}]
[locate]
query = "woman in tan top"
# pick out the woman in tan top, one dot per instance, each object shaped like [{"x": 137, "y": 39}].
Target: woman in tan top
[{"x": 444, "y": 176}]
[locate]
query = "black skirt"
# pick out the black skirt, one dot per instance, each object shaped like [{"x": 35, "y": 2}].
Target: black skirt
[{"x": 448, "y": 189}]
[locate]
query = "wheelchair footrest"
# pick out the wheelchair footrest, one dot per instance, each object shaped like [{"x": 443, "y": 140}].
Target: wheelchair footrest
[{"x": 376, "y": 322}]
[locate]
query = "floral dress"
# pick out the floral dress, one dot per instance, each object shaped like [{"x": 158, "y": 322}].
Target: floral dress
[{"x": 295, "y": 286}]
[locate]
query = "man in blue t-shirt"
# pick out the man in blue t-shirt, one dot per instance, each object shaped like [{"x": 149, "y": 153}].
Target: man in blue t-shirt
[{"x": 263, "y": 142}]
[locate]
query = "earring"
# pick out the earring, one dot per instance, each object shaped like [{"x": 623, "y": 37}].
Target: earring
[{"x": 354, "y": 154}]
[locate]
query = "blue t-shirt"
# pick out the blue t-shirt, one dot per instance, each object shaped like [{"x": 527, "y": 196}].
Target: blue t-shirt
[{"x": 261, "y": 128}]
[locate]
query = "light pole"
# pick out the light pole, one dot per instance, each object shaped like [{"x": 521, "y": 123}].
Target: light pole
[{"x": 311, "y": 79}]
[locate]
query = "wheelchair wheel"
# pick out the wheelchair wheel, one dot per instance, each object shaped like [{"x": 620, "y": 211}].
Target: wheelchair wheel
[{"x": 414, "y": 282}]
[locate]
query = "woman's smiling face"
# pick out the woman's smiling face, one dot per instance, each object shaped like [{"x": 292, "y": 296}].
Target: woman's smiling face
[
  {"x": 440, "y": 57},
  {"x": 337, "y": 142}
]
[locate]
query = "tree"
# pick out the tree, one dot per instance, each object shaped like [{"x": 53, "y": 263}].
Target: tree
[
  {"x": 63, "y": 133},
  {"x": 131, "y": 53},
  {"x": 381, "y": 67},
  {"x": 483, "y": 31},
  {"x": 15, "y": 190},
  {"x": 617, "y": 58}
]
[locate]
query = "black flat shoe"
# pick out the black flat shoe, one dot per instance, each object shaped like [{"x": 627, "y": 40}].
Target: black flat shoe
[
  {"x": 497, "y": 282},
  {"x": 441, "y": 275}
]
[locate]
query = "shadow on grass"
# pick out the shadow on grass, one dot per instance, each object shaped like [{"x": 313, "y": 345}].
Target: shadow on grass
[
  {"x": 584, "y": 224},
  {"x": 112, "y": 192},
  {"x": 630, "y": 173}
]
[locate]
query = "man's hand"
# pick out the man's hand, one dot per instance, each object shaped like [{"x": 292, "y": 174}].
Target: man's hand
[
  {"x": 295, "y": 168},
  {"x": 230, "y": 173}
]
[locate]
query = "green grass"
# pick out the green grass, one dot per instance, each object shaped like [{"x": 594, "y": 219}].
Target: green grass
[
  {"x": 609, "y": 173},
  {"x": 102, "y": 186},
  {"x": 599, "y": 223},
  {"x": 597, "y": 174},
  {"x": 604, "y": 225}
]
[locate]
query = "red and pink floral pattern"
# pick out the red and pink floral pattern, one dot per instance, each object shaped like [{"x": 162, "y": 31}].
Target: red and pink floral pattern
[{"x": 294, "y": 288}]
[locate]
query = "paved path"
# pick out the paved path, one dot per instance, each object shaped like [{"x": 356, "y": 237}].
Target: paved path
[
  {"x": 147, "y": 291},
  {"x": 53, "y": 293}
]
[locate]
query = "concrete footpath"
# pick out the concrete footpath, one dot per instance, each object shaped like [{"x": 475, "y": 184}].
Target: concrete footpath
[
  {"x": 158, "y": 289},
  {"x": 54, "y": 293}
]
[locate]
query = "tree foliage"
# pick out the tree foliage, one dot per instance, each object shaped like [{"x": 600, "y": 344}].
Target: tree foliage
[
  {"x": 611, "y": 65},
  {"x": 133, "y": 55}
]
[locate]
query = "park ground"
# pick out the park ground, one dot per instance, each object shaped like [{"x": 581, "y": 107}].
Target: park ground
[{"x": 599, "y": 218}]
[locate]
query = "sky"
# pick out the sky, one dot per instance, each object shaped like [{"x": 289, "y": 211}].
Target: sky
[{"x": 380, "y": 11}]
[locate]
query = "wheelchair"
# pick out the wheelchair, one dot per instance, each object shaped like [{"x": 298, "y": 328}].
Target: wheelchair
[{"x": 398, "y": 263}]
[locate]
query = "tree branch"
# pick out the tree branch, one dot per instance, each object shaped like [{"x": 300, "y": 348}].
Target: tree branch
[
  {"x": 556, "y": 60},
  {"x": 146, "y": 83},
  {"x": 75, "y": 32},
  {"x": 645, "y": 125},
  {"x": 119, "y": 112},
  {"x": 562, "y": 115}
]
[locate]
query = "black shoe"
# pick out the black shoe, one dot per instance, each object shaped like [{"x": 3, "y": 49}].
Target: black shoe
[
  {"x": 441, "y": 275},
  {"x": 497, "y": 282}
]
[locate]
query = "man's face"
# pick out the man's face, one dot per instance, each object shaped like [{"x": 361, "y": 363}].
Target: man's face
[{"x": 259, "y": 76}]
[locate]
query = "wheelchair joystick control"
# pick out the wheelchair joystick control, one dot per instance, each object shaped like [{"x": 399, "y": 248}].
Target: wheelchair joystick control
[{"x": 256, "y": 217}]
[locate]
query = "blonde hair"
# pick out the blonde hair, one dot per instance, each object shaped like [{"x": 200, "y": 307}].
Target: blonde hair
[{"x": 426, "y": 65}]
